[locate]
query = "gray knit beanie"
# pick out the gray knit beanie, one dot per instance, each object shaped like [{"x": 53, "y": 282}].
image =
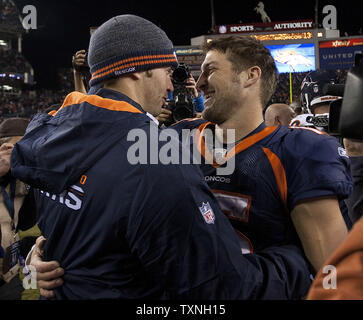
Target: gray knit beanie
[{"x": 128, "y": 44}]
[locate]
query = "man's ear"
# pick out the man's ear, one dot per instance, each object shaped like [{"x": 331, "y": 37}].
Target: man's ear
[
  {"x": 141, "y": 74},
  {"x": 136, "y": 75},
  {"x": 253, "y": 75}
]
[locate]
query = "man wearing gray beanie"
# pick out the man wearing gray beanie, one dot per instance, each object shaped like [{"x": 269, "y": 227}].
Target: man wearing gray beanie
[
  {"x": 120, "y": 230},
  {"x": 124, "y": 231}
]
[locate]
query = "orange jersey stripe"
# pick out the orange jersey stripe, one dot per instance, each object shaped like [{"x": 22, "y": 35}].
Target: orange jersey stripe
[
  {"x": 279, "y": 172},
  {"x": 199, "y": 140},
  {"x": 109, "y": 104},
  {"x": 133, "y": 64},
  {"x": 158, "y": 56},
  {"x": 246, "y": 143}
]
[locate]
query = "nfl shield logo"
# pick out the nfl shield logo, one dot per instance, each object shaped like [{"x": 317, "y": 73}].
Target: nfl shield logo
[
  {"x": 207, "y": 213},
  {"x": 219, "y": 154}
]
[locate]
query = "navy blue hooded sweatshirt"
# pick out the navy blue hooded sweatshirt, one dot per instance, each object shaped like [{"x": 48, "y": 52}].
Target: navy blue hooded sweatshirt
[{"x": 135, "y": 231}]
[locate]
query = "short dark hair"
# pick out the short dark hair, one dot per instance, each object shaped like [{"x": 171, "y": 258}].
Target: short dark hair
[{"x": 245, "y": 52}]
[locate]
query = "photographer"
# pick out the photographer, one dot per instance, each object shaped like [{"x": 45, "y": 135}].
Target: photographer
[
  {"x": 17, "y": 213},
  {"x": 278, "y": 114},
  {"x": 197, "y": 96},
  {"x": 79, "y": 65},
  {"x": 192, "y": 101}
]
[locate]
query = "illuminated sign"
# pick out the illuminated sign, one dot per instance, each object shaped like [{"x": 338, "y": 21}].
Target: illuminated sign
[
  {"x": 284, "y": 36},
  {"x": 342, "y": 57},
  {"x": 341, "y": 43},
  {"x": 261, "y": 27},
  {"x": 188, "y": 51},
  {"x": 294, "y": 57}
]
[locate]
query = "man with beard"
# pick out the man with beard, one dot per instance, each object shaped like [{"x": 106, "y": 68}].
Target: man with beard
[{"x": 287, "y": 181}]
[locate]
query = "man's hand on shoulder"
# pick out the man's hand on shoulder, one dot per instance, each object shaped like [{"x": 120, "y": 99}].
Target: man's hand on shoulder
[{"x": 49, "y": 273}]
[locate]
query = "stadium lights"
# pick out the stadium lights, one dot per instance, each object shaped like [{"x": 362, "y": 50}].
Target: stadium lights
[{"x": 320, "y": 34}]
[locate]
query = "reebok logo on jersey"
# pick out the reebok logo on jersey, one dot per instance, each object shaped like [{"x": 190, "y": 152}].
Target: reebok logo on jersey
[{"x": 207, "y": 213}]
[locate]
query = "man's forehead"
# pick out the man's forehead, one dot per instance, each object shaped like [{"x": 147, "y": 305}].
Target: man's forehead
[{"x": 213, "y": 57}]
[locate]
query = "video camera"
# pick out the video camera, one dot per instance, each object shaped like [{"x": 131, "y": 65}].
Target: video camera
[
  {"x": 346, "y": 115},
  {"x": 181, "y": 105}
]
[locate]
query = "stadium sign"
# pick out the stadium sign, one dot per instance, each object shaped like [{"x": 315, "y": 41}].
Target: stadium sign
[
  {"x": 260, "y": 27},
  {"x": 339, "y": 54},
  {"x": 341, "y": 43}
]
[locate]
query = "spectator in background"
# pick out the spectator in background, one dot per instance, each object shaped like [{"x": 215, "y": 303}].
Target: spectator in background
[
  {"x": 79, "y": 69},
  {"x": 17, "y": 212},
  {"x": 278, "y": 114},
  {"x": 165, "y": 116},
  {"x": 314, "y": 100},
  {"x": 197, "y": 96}
]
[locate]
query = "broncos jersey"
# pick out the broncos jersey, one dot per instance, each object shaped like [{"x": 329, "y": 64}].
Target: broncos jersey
[
  {"x": 126, "y": 229},
  {"x": 275, "y": 168}
]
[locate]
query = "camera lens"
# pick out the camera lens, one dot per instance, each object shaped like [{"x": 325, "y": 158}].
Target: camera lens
[{"x": 180, "y": 74}]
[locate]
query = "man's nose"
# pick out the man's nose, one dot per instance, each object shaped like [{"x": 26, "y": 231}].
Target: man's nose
[
  {"x": 170, "y": 87},
  {"x": 201, "y": 83}
]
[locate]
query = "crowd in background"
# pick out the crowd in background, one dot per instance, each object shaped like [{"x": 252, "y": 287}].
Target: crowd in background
[
  {"x": 26, "y": 103},
  {"x": 13, "y": 61},
  {"x": 9, "y": 15}
]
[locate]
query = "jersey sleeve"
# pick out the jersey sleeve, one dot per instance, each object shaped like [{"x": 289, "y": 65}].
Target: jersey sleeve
[{"x": 317, "y": 166}]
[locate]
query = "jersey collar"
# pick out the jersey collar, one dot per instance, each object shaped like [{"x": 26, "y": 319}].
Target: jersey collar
[{"x": 261, "y": 132}]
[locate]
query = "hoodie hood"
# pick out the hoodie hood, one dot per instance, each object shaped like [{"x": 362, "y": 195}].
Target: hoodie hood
[{"x": 58, "y": 148}]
